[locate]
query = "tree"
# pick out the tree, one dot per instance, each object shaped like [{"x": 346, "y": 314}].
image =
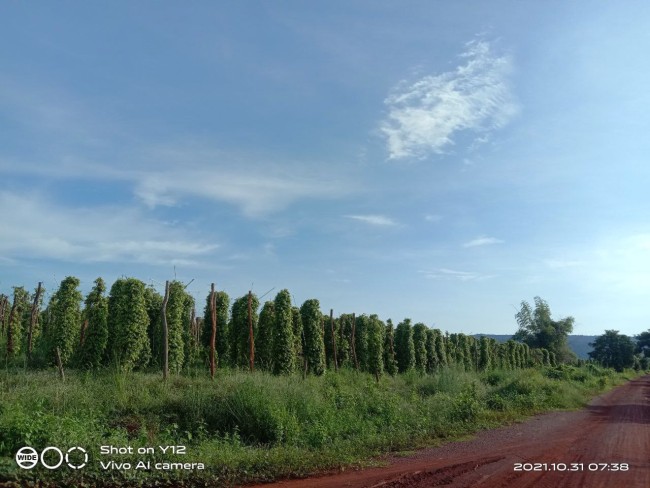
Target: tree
[
  {"x": 239, "y": 330},
  {"x": 643, "y": 343},
  {"x": 284, "y": 353},
  {"x": 404, "y": 347},
  {"x": 314, "y": 346},
  {"x": 432, "y": 356},
  {"x": 538, "y": 330},
  {"x": 420, "y": 346},
  {"x": 128, "y": 323},
  {"x": 223, "y": 342},
  {"x": 264, "y": 337},
  {"x": 613, "y": 350},
  {"x": 95, "y": 313},
  {"x": 179, "y": 309},
  {"x": 65, "y": 329},
  {"x": 375, "y": 340},
  {"x": 390, "y": 363},
  {"x": 484, "y": 362},
  {"x": 16, "y": 320}
]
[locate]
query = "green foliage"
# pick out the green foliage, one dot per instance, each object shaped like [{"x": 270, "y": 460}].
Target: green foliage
[
  {"x": 153, "y": 303},
  {"x": 643, "y": 343},
  {"x": 613, "y": 350},
  {"x": 375, "y": 340},
  {"x": 265, "y": 335},
  {"x": 390, "y": 362},
  {"x": 16, "y": 323},
  {"x": 404, "y": 346},
  {"x": 179, "y": 309},
  {"x": 223, "y": 340},
  {"x": 128, "y": 322},
  {"x": 420, "y": 346},
  {"x": 298, "y": 335},
  {"x": 486, "y": 347},
  {"x": 538, "y": 330},
  {"x": 314, "y": 346},
  {"x": 361, "y": 341},
  {"x": 284, "y": 352},
  {"x": 95, "y": 312},
  {"x": 240, "y": 336},
  {"x": 65, "y": 328}
]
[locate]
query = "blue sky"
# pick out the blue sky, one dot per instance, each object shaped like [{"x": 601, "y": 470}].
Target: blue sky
[{"x": 434, "y": 160}]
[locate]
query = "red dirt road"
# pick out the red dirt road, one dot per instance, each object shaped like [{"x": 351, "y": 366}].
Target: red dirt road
[{"x": 613, "y": 429}]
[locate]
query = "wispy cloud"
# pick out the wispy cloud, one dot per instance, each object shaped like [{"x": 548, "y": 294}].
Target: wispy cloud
[
  {"x": 482, "y": 241},
  {"x": 379, "y": 220},
  {"x": 37, "y": 228},
  {"x": 452, "y": 274},
  {"x": 563, "y": 263},
  {"x": 433, "y": 218},
  {"x": 424, "y": 116}
]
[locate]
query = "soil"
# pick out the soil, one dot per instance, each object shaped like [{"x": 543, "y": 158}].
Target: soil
[{"x": 605, "y": 445}]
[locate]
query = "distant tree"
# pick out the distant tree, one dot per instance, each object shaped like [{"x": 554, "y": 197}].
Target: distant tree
[
  {"x": 265, "y": 336},
  {"x": 314, "y": 345},
  {"x": 433, "y": 363},
  {"x": 298, "y": 336},
  {"x": 128, "y": 323},
  {"x": 613, "y": 350},
  {"x": 404, "y": 346},
  {"x": 16, "y": 324},
  {"x": 420, "y": 346},
  {"x": 65, "y": 329},
  {"x": 223, "y": 340},
  {"x": 390, "y": 362},
  {"x": 240, "y": 345},
  {"x": 375, "y": 352},
  {"x": 95, "y": 313},
  {"x": 485, "y": 360},
  {"x": 441, "y": 347},
  {"x": 643, "y": 343},
  {"x": 537, "y": 329},
  {"x": 284, "y": 353}
]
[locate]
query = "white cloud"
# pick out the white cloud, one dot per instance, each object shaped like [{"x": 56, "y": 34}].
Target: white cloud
[
  {"x": 451, "y": 274},
  {"x": 424, "y": 116},
  {"x": 562, "y": 263},
  {"x": 378, "y": 220},
  {"x": 482, "y": 241},
  {"x": 433, "y": 218},
  {"x": 36, "y": 228}
]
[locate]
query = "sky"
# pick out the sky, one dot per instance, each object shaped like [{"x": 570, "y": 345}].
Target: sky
[{"x": 440, "y": 161}]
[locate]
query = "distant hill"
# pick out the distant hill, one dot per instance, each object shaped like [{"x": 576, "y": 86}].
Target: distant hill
[{"x": 578, "y": 343}]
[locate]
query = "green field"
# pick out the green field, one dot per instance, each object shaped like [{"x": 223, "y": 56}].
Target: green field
[{"x": 254, "y": 427}]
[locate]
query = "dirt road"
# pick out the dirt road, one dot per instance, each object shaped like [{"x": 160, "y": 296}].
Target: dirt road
[{"x": 606, "y": 445}]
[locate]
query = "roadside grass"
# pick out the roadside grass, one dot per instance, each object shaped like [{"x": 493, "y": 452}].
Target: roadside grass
[{"x": 258, "y": 427}]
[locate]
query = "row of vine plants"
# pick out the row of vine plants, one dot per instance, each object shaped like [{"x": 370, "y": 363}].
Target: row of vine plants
[{"x": 123, "y": 327}]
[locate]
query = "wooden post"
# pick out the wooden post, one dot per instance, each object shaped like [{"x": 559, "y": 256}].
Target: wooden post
[
  {"x": 3, "y": 308},
  {"x": 165, "y": 332},
  {"x": 32, "y": 321},
  {"x": 10, "y": 335},
  {"x": 336, "y": 366},
  {"x": 59, "y": 364},
  {"x": 213, "y": 335},
  {"x": 354, "y": 347},
  {"x": 251, "y": 339}
]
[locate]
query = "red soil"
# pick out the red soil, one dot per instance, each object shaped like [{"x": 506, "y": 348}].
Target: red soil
[{"x": 613, "y": 429}]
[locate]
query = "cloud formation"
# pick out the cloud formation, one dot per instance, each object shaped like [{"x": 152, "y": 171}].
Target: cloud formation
[
  {"x": 476, "y": 96},
  {"x": 379, "y": 220},
  {"x": 482, "y": 241},
  {"x": 36, "y": 228},
  {"x": 452, "y": 274}
]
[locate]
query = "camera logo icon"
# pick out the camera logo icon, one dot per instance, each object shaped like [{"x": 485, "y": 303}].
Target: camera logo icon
[{"x": 28, "y": 457}]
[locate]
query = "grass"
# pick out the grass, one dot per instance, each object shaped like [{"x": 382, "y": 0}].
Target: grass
[{"x": 258, "y": 427}]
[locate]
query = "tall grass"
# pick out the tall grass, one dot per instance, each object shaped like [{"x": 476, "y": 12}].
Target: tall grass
[{"x": 247, "y": 427}]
